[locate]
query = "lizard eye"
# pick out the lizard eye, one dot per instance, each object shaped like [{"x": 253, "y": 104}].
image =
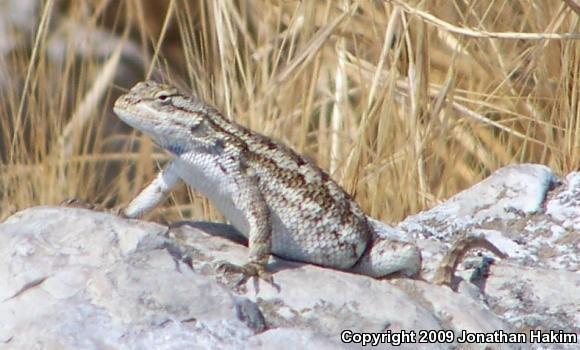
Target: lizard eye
[{"x": 163, "y": 96}]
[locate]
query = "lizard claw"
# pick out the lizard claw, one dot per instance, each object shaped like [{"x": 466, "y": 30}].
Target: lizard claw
[
  {"x": 82, "y": 204},
  {"x": 79, "y": 203},
  {"x": 247, "y": 271}
]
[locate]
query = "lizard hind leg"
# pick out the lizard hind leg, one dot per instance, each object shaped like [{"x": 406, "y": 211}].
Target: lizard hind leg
[{"x": 389, "y": 257}]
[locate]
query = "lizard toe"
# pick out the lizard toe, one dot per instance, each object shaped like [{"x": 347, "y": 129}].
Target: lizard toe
[
  {"x": 248, "y": 270},
  {"x": 78, "y": 203},
  {"x": 82, "y": 204}
]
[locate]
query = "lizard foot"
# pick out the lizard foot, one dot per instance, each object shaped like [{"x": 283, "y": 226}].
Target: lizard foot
[
  {"x": 79, "y": 203},
  {"x": 247, "y": 271},
  {"x": 82, "y": 204}
]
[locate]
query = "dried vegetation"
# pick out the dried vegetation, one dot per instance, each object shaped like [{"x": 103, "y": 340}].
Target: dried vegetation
[{"x": 405, "y": 103}]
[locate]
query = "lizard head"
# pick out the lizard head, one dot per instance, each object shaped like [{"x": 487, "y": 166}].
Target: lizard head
[{"x": 166, "y": 115}]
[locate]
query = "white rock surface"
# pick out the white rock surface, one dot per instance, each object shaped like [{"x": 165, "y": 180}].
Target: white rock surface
[{"x": 76, "y": 279}]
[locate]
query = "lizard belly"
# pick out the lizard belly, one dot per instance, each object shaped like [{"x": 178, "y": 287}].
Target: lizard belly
[
  {"x": 209, "y": 179},
  {"x": 205, "y": 175}
]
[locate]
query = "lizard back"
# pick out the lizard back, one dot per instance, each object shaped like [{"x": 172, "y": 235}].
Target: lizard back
[{"x": 313, "y": 218}]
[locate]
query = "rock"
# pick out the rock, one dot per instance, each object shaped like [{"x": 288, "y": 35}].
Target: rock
[
  {"x": 74, "y": 278},
  {"x": 534, "y": 217}
]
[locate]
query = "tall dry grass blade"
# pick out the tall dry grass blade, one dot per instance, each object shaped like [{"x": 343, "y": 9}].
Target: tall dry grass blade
[
  {"x": 429, "y": 18},
  {"x": 160, "y": 39},
  {"x": 340, "y": 97},
  {"x": 225, "y": 54},
  {"x": 310, "y": 49},
  {"x": 39, "y": 39},
  {"x": 336, "y": 119},
  {"x": 574, "y": 5},
  {"x": 393, "y": 27},
  {"x": 89, "y": 103}
]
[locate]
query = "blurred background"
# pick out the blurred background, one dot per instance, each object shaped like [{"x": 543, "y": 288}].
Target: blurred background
[{"x": 403, "y": 102}]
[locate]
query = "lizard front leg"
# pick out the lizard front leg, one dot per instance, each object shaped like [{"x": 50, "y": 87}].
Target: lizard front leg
[
  {"x": 145, "y": 201},
  {"x": 153, "y": 194}
]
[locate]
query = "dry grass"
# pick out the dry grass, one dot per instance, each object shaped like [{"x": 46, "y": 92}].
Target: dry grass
[{"x": 404, "y": 102}]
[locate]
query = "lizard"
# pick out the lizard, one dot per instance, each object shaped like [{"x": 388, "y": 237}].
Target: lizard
[{"x": 280, "y": 201}]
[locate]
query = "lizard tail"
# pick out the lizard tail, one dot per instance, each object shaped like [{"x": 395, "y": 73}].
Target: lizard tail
[
  {"x": 389, "y": 258},
  {"x": 446, "y": 271}
]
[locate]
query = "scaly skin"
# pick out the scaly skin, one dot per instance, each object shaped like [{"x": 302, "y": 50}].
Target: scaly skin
[{"x": 280, "y": 201}]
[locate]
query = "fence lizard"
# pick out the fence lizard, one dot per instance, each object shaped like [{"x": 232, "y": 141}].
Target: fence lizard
[{"x": 280, "y": 201}]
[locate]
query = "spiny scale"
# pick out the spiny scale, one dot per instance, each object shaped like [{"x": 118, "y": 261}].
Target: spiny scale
[{"x": 280, "y": 201}]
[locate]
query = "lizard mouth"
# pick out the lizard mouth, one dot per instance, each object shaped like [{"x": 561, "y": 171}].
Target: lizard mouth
[{"x": 128, "y": 112}]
